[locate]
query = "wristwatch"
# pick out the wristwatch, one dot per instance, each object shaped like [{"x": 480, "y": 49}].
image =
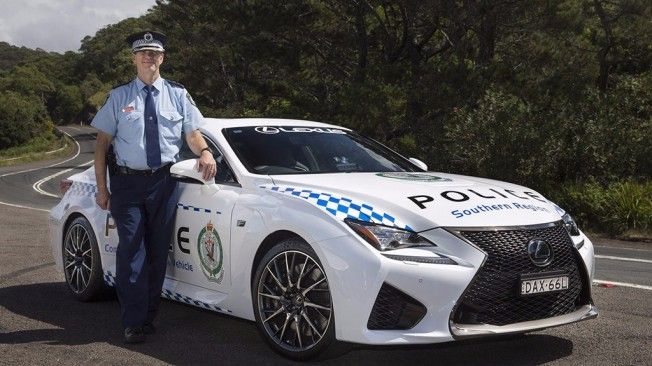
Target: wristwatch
[{"x": 206, "y": 148}]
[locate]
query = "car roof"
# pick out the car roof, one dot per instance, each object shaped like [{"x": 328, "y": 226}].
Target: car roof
[{"x": 216, "y": 124}]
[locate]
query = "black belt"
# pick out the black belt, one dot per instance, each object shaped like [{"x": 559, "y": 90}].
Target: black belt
[{"x": 123, "y": 170}]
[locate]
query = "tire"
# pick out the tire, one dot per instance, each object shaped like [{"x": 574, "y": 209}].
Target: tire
[
  {"x": 297, "y": 321},
  {"x": 82, "y": 266}
]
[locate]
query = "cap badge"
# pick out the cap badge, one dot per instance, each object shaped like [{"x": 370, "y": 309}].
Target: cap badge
[{"x": 148, "y": 37}]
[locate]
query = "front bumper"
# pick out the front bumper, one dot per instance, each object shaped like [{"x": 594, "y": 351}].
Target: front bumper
[
  {"x": 357, "y": 273},
  {"x": 478, "y": 330}
]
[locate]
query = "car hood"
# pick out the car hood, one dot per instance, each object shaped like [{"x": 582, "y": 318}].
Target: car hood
[{"x": 419, "y": 201}]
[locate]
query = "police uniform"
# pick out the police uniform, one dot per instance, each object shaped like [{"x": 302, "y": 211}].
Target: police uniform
[{"x": 146, "y": 123}]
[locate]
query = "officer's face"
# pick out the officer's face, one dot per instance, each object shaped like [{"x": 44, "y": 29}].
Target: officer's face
[{"x": 148, "y": 60}]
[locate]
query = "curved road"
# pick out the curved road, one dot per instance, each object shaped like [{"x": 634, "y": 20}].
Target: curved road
[
  {"x": 36, "y": 185},
  {"x": 41, "y": 324}
]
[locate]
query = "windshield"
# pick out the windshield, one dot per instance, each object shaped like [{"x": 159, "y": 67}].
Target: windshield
[{"x": 311, "y": 150}]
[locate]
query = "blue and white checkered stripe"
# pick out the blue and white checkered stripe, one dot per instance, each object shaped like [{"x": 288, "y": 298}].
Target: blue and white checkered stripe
[
  {"x": 109, "y": 279},
  {"x": 340, "y": 207},
  {"x": 193, "y": 208},
  {"x": 188, "y": 300},
  {"x": 82, "y": 189}
]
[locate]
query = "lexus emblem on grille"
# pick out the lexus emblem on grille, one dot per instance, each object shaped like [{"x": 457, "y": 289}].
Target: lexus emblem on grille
[{"x": 540, "y": 252}]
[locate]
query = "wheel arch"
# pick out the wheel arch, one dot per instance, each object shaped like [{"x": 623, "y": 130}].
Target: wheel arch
[
  {"x": 71, "y": 217},
  {"x": 69, "y": 221},
  {"x": 267, "y": 244}
]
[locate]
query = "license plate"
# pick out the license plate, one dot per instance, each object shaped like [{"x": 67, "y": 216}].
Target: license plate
[{"x": 540, "y": 285}]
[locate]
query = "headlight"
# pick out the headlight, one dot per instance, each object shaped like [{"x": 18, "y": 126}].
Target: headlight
[
  {"x": 387, "y": 238},
  {"x": 570, "y": 225}
]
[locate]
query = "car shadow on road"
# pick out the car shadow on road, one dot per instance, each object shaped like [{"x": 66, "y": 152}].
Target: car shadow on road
[{"x": 190, "y": 335}]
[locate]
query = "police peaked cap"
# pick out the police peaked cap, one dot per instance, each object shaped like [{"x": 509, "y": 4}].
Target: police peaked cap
[{"x": 147, "y": 40}]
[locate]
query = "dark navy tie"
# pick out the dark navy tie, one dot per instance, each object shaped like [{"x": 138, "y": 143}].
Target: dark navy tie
[{"x": 151, "y": 130}]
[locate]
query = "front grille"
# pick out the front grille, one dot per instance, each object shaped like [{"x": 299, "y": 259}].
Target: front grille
[
  {"x": 493, "y": 297},
  {"x": 395, "y": 309}
]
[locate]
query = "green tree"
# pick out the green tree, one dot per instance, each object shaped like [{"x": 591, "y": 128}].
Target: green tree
[
  {"x": 21, "y": 118},
  {"x": 66, "y": 104},
  {"x": 106, "y": 53},
  {"x": 30, "y": 81}
]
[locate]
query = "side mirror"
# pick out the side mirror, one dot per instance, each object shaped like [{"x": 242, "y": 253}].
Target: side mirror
[
  {"x": 419, "y": 163},
  {"x": 186, "y": 171}
]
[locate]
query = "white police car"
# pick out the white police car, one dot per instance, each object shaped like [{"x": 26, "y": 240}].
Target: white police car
[{"x": 320, "y": 234}]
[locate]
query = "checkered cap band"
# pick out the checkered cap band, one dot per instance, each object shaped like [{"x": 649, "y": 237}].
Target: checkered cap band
[
  {"x": 143, "y": 44},
  {"x": 341, "y": 207}
]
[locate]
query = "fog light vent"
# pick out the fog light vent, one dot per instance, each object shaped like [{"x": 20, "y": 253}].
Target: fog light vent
[{"x": 395, "y": 309}]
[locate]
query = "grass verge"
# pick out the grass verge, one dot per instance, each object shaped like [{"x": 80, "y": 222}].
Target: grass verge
[{"x": 49, "y": 145}]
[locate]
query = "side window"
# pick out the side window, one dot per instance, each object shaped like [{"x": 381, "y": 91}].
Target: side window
[
  {"x": 224, "y": 172},
  {"x": 185, "y": 153}
]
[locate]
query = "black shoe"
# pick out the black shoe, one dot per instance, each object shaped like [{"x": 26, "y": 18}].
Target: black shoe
[
  {"x": 134, "y": 335},
  {"x": 149, "y": 328}
]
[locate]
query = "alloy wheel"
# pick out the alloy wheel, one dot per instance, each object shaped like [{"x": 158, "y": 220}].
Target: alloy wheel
[
  {"x": 294, "y": 301},
  {"x": 77, "y": 258}
]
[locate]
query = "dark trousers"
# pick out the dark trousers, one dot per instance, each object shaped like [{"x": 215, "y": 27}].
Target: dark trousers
[{"x": 144, "y": 209}]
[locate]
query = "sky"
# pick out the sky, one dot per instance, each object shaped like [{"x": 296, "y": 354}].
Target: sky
[{"x": 60, "y": 25}]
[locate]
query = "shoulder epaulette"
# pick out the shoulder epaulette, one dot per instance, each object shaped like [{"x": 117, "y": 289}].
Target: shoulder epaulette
[
  {"x": 175, "y": 84},
  {"x": 123, "y": 84}
]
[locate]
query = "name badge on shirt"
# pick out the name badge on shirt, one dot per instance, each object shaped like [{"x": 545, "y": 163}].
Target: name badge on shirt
[{"x": 128, "y": 109}]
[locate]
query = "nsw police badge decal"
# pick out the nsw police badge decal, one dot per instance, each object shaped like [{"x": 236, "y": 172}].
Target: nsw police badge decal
[{"x": 210, "y": 252}]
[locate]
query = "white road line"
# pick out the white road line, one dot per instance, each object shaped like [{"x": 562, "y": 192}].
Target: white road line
[
  {"x": 33, "y": 169},
  {"x": 27, "y": 207},
  {"x": 623, "y": 259},
  {"x": 622, "y": 284},
  {"x": 37, "y": 185},
  {"x": 625, "y": 248},
  {"x": 49, "y": 166}
]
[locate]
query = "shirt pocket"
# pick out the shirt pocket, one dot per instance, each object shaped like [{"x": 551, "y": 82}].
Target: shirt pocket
[
  {"x": 170, "y": 124},
  {"x": 130, "y": 126}
]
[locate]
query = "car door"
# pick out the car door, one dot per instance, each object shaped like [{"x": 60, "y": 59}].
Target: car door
[{"x": 200, "y": 252}]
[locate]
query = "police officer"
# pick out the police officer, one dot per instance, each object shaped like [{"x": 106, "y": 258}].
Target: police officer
[{"x": 144, "y": 120}]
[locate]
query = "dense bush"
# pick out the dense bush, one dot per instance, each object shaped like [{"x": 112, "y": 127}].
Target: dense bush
[
  {"x": 21, "y": 118},
  {"x": 66, "y": 104},
  {"x": 48, "y": 141},
  {"x": 606, "y": 137},
  {"x": 620, "y": 208},
  {"x": 501, "y": 137}
]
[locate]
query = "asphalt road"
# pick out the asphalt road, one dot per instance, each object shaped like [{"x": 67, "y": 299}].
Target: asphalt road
[
  {"x": 36, "y": 185},
  {"x": 41, "y": 324}
]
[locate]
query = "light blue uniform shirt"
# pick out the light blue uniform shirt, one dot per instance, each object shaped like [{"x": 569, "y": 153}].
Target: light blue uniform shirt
[{"x": 122, "y": 116}]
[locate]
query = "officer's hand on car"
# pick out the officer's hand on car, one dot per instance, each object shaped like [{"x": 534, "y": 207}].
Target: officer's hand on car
[
  {"x": 206, "y": 165},
  {"x": 102, "y": 198}
]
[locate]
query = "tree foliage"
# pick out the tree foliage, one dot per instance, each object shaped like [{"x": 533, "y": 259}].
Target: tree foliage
[
  {"x": 536, "y": 92},
  {"x": 21, "y": 118}
]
